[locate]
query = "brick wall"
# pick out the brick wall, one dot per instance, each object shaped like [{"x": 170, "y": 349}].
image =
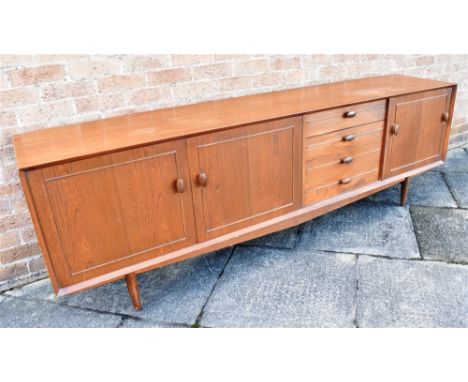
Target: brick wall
[{"x": 51, "y": 90}]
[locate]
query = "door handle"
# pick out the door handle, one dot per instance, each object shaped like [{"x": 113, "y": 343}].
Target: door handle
[
  {"x": 202, "y": 179},
  {"x": 445, "y": 116},
  {"x": 395, "y": 129},
  {"x": 349, "y": 114},
  {"x": 180, "y": 185}
]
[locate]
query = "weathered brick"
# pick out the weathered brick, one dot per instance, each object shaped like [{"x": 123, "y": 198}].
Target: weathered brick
[
  {"x": 19, "y": 97},
  {"x": 7, "y": 154},
  {"x": 14, "y": 221},
  {"x": 211, "y": 71},
  {"x": 93, "y": 68},
  {"x": 8, "y": 172},
  {"x": 5, "y": 206},
  {"x": 232, "y": 84},
  {"x": 316, "y": 59},
  {"x": 37, "y": 265},
  {"x": 20, "y": 252},
  {"x": 7, "y": 118},
  {"x": 134, "y": 63},
  {"x": 9, "y": 189},
  {"x": 15, "y": 60},
  {"x": 286, "y": 62},
  {"x": 230, "y": 57},
  {"x": 121, "y": 83},
  {"x": 4, "y": 84},
  {"x": 193, "y": 89},
  {"x": 100, "y": 102},
  {"x": 268, "y": 79},
  {"x": 168, "y": 76},
  {"x": 28, "y": 235},
  {"x": 191, "y": 59},
  {"x": 150, "y": 95},
  {"x": 36, "y": 75},
  {"x": 53, "y": 92},
  {"x": 9, "y": 239},
  {"x": 43, "y": 113},
  {"x": 58, "y": 58},
  {"x": 13, "y": 271},
  {"x": 243, "y": 68}
]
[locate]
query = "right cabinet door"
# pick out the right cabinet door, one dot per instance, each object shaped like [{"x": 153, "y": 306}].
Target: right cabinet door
[{"x": 417, "y": 125}]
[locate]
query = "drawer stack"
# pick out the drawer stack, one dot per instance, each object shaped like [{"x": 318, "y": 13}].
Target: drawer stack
[{"x": 342, "y": 149}]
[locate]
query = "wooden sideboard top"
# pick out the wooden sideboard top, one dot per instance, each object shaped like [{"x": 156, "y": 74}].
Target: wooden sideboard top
[{"x": 59, "y": 144}]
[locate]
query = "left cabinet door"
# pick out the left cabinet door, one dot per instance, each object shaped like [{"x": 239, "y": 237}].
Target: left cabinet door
[{"x": 103, "y": 213}]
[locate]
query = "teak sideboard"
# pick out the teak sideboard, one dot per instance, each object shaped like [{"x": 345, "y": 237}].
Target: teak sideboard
[{"x": 113, "y": 198}]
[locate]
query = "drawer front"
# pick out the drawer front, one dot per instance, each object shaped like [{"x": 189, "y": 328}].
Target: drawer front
[
  {"x": 328, "y": 121},
  {"x": 332, "y": 147},
  {"x": 337, "y": 171},
  {"x": 336, "y": 188}
]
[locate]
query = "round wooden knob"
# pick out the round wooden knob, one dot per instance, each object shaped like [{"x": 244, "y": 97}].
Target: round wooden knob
[
  {"x": 348, "y": 138},
  {"x": 445, "y": 116},
  {"x": 345, "y": 180},
  {"x": 396, "y": 129},
  {"x": 349, "y": 114},
  {"x": 180, "y": 185},
  {"x": 346, "y": 159},
  {"x": 203, "y": 179}
]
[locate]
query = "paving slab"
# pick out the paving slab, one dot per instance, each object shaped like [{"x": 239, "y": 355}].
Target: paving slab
[
  {"x": 286, "y": 238},
  {"x": 363, "y": 228},
  {"x": 19, "y": 313},
  {"x": 428, "y": 189},
  {"x": 458, "y": 184},
  {"x": 402, "y": 293},
  {"x": 456, "y": 161},
  {"x": 442, "y": 233},
  {"x": 174, "y": 294},
  {"x": 265, "y": 287},
  {"x": 135, "y": 324}
]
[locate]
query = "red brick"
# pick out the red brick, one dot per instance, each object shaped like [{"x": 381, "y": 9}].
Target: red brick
[
  {"x": 20, "y": 252},
  {"x": 14, "y": 221},
  {"x": 36, "y": 75},
  {"x": 58, "y": 58},
  {"x": 316, "y": 59},
  {"x": 53, "y": 92},
  {"x": 194, "y": 89},
  {"x": 13, "y": 271},
  {"x": 268, "y": 79},
  {"x": 168, "y": 76},
  {"x": 121, "y": 83},
  {"x": 232, "y": 84},
  {"x": 9, "y": 239}
]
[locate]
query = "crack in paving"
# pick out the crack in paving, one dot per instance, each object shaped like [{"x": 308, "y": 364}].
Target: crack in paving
[
  {"x": 355, "y": 321},
  {"x": 196, "y": 324},
  {"x": 444, "y": 177}
]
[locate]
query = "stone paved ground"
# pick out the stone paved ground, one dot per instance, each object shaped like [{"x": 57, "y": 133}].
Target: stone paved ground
[{"x": 370, "y": 264}]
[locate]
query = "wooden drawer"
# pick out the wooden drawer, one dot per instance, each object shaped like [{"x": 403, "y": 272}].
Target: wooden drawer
[
  {"x": 327, "y": 121},
  {"x": 332, "y": 147},
  {"x": 336, "y": 188},
  {"x": 335, "y": 171}
]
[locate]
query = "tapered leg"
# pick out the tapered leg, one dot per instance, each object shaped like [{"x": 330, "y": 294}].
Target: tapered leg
[
  {"x": 133, "y": 290},
  {"x": 404, "y": 191}
]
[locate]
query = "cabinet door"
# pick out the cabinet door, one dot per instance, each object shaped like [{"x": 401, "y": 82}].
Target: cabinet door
[
  {"x": 115, "y": 210},
  {"x": 416, "y": 130},
  {"x": 245, "y": 175}
]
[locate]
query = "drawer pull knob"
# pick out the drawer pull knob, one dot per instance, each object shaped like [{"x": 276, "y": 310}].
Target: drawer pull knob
[
  {"x": 346, "y": 160},
  {"x": 348, "y": 138},
  {"x": 180, "y": 185},
  {"x": 395, "y": 129},
  {"x": 445, "y": 116},
  {"x": 345, "y": 180},
  {"x": 203, "y": 179},
  {"x": 349, "y": 114}
]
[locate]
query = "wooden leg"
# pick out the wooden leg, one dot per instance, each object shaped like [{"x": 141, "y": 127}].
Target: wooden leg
[
  {"x": 133, "y": 291},
  {"x": 404, "y": 191}
]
